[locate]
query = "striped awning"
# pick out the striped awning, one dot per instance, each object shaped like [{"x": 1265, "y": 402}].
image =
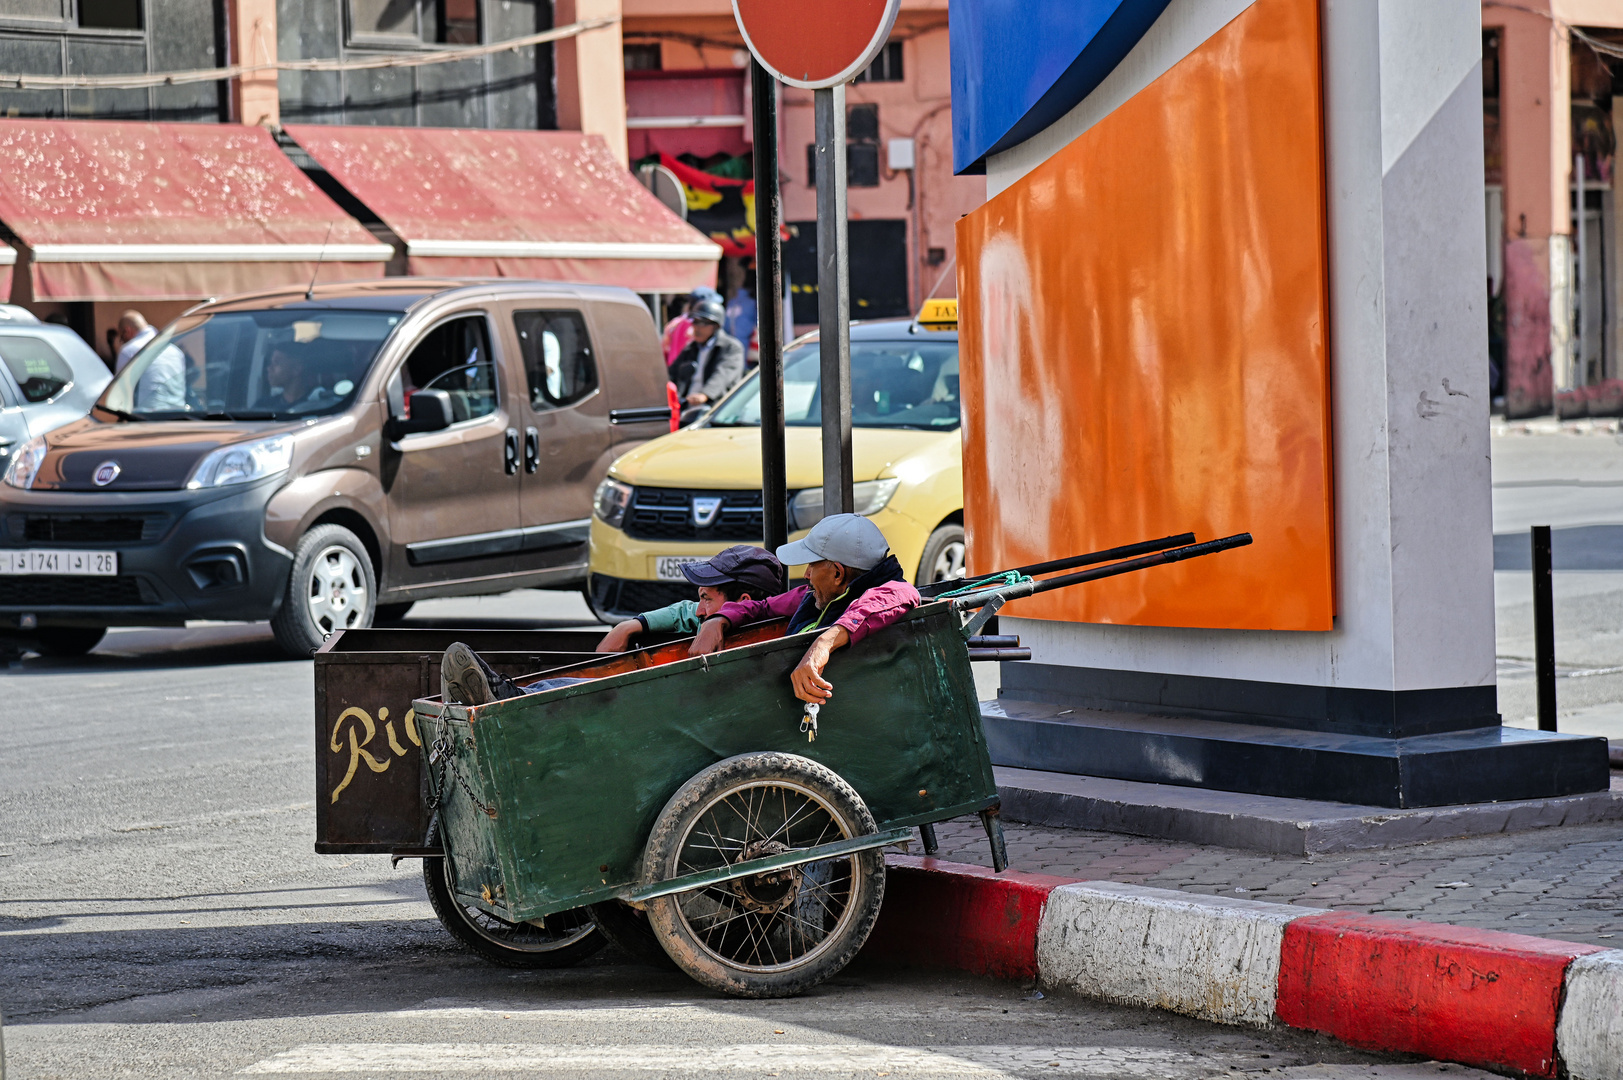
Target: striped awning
[
  {"x": 531, "y": 204},
  {"x": 136, "y": 211}
]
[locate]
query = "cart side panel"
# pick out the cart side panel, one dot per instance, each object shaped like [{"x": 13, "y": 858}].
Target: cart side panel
[
  {"x": 480, "y": 866},
  {"x": 369, "y": 787},
  {"x": 585, "y": 770}
]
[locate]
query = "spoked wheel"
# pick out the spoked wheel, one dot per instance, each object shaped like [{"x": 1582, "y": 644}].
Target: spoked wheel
[
  {"x": 561, "y": 940},
  {"x": 778, "y": 933}
]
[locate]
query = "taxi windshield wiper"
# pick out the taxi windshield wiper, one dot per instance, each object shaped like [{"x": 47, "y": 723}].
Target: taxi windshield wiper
[{"x": 243, "y": 414}]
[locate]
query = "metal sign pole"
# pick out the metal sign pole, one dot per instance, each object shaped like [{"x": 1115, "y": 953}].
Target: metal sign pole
[
  {"x": 833, "y": 300},
  {"x": 768, "y": 300}
]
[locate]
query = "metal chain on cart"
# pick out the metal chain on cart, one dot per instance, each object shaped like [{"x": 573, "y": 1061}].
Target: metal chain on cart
[{"x": 440, "y": 752}]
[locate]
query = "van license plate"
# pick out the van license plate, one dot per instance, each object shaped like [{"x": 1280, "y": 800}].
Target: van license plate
[
  {"x": 68, "y": 563},
  {"x": 669, "y": 567}
]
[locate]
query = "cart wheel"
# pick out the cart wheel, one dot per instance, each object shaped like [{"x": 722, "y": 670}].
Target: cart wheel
[
  {"x": 779, "y": 933},
  {"x": 567, "y": 938},
  {"x": 628, "y": 928}
]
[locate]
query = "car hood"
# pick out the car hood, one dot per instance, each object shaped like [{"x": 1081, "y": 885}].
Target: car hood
[
  {"x": 156, "y": 456},
  {"x": 717, "y": 457}
]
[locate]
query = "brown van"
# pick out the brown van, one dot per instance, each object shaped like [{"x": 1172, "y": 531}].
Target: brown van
[{"x": 325, "y": 458}]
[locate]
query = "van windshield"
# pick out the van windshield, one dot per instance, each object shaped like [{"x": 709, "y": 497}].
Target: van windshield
[
  {"x": 251, "y": 365},
  {"x": 908, "y": 384}
]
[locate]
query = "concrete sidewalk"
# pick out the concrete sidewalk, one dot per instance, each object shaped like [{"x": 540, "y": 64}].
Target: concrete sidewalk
[{"x": 1564, "y": 883}]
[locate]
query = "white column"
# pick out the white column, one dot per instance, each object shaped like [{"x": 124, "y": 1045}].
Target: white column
[{"x": 1408, "y": 264}]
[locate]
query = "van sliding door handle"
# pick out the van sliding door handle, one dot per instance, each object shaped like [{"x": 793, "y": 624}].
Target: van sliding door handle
[
  {"x": 532, "y": 449},
  {"x": 510, "y": 452}
]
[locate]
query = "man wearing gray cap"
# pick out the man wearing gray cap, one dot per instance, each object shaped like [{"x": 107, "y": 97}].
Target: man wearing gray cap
[{"x": 854, "y": 587}]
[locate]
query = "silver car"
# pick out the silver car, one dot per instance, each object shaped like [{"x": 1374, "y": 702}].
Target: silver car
[{"x": 48, "y": 377}]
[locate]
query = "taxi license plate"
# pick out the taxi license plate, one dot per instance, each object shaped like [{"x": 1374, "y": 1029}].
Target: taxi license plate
[
  {"x": 68, "y": 563},
  {"x": 669, "y": 567}
]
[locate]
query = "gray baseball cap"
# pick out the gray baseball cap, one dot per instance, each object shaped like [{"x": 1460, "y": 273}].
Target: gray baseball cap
[{"x": 848, "y": 539}]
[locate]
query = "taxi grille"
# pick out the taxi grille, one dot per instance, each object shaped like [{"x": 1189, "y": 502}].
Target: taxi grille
[
  {"x": 667, "y": 514},
  {"x": 46, "y": 590},
  {"x": 624, "y": 598}
]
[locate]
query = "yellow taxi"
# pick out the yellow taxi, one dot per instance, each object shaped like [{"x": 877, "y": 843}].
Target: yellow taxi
[{"x": 687, "y": 495}]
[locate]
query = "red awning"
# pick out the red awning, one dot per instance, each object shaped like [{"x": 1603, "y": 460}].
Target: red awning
[
  {"x": 116, "y": 211},
  {"x": 530, "y": 204}
]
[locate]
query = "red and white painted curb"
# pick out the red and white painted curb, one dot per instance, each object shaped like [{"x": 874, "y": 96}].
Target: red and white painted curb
[{"x": 1507, "y": 1002}]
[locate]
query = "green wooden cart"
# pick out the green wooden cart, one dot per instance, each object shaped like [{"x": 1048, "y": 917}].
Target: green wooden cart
[{"x": 687, "y": 805}]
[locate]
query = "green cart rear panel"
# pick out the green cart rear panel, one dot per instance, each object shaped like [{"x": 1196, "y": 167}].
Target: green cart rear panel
[{"x": 548, "y": 799}]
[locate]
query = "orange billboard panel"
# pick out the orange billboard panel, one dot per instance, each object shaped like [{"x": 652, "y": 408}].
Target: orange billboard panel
[{"x": 1145, "y": 349}]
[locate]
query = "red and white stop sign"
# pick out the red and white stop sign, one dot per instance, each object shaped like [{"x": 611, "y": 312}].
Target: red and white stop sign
[{"x": 813, "y": 44}]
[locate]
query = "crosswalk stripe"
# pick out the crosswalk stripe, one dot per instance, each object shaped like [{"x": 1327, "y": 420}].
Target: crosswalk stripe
[{"x": 745, "y": 1060}]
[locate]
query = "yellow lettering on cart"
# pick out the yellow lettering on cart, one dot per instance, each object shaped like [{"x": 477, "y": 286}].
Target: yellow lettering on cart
[
  {"x": 411, "y": 728},
  {"x": 388, "y": 729},
  {"x": 357, "y": 751}
]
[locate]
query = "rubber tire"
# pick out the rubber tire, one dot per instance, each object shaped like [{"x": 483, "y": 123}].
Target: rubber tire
[
  {"x": 451, "y": 916},
  {"x": 295, "y": 632},
  {"x": 391, "y": 614},
  {"x": 939, "y": 540},
  {"x": 67, "y": 640},
  {"x": 629, "y": 929},
  {"x": 659, "y": 862}
]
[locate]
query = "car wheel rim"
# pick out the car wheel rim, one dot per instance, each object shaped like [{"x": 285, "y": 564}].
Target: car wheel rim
[
  {"x": 949, "y": 563},
  {"x": 337, "y": 592},
  {"x": 771, "y": 922}
]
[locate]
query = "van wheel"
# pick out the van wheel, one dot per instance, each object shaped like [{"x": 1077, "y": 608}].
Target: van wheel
[
  {"x": 68, "y": 640},
  {"x": 331, "y": 588},
  {"x": 943, "y": 558}
]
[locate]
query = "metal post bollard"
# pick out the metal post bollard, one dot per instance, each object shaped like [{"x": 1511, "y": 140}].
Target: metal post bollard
[{"x": 1543, "y": 627}]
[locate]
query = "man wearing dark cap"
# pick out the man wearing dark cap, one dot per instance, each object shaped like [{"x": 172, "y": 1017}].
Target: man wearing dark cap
[{"x": 740, "y": 573}]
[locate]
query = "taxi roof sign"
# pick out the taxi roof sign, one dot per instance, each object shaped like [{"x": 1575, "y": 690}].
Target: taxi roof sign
[{"x": 940, "y": 314}]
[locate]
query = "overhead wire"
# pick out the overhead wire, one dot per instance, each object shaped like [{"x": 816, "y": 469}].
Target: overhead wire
[{"x": 237, "y": 71}]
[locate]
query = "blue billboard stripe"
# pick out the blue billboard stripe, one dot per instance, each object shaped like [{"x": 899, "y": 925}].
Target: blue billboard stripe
[{"x": 1019, "y": 65}]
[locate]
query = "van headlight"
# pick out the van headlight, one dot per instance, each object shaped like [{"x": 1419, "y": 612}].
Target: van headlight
[
  {"x": 243, "y": 462},
  {"x": 25, "y": 463},
  {"x": 868, "y": 497},
  {"x": 612, "y": 501}
]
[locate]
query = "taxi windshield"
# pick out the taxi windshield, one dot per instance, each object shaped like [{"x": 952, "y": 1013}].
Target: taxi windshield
[
  {"x": 906, "y": 384},
  {"x": 251, "y": 365}
]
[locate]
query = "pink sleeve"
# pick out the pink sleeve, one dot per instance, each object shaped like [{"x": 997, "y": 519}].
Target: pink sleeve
[
  {"x": 878, "y": 608},
  {"x": 744, "y": 612}
]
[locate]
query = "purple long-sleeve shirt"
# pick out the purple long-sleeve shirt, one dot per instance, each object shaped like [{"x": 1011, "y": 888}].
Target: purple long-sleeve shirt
[{"x": 872, "y": 611}]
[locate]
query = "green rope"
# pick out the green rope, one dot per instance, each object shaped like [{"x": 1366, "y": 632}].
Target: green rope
[{"x": 1008, "y": 577}]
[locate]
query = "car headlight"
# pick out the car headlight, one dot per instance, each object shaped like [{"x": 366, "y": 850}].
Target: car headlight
[
  {"x": 25, "y": 463},
  {"x": 868, "y": 497},
  {"x": 243, "y": 462},
  {"x": 612, "y": 501}
]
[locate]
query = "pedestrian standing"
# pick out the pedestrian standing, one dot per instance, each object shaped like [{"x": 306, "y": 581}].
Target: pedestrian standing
[{"x": 133, "y": 333}]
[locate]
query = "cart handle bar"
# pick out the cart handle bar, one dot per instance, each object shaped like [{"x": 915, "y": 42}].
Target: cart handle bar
[
  {"x": 1127, "y": 566},
  {"x": 1143, "y": 547},
  {"x": 751, "y": 867}
]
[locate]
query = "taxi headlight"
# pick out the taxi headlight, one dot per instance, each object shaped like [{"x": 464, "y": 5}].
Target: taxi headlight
[
  {"x": 869, "y": 497},
  {"x": 243, "y": 462},
  {"x": 25, "y": 463},
  {"x": 612, "y": 501}
]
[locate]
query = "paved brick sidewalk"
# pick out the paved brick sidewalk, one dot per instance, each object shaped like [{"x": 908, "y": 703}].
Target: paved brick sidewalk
[{"x": 1563, "y": 883}]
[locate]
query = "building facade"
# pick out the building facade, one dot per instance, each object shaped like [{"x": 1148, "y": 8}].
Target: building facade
[
  {"x": 1550, "y": 68},
  {"x": 686, "y": 97},
  {"x": 373, "y": 49}
]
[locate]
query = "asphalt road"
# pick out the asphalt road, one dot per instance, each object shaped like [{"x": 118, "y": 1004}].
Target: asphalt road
[{"x": 162, "y": 913}]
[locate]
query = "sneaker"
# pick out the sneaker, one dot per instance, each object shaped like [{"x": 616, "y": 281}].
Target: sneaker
[{"x": 465, "y": 679}]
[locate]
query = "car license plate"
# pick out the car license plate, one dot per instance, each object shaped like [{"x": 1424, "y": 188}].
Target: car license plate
[
  {"x": 669, "y": 567},
  {"x": 70, "y": 563}
]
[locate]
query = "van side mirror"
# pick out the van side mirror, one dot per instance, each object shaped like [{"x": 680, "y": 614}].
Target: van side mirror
[{"x": 427, "y": 410}]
